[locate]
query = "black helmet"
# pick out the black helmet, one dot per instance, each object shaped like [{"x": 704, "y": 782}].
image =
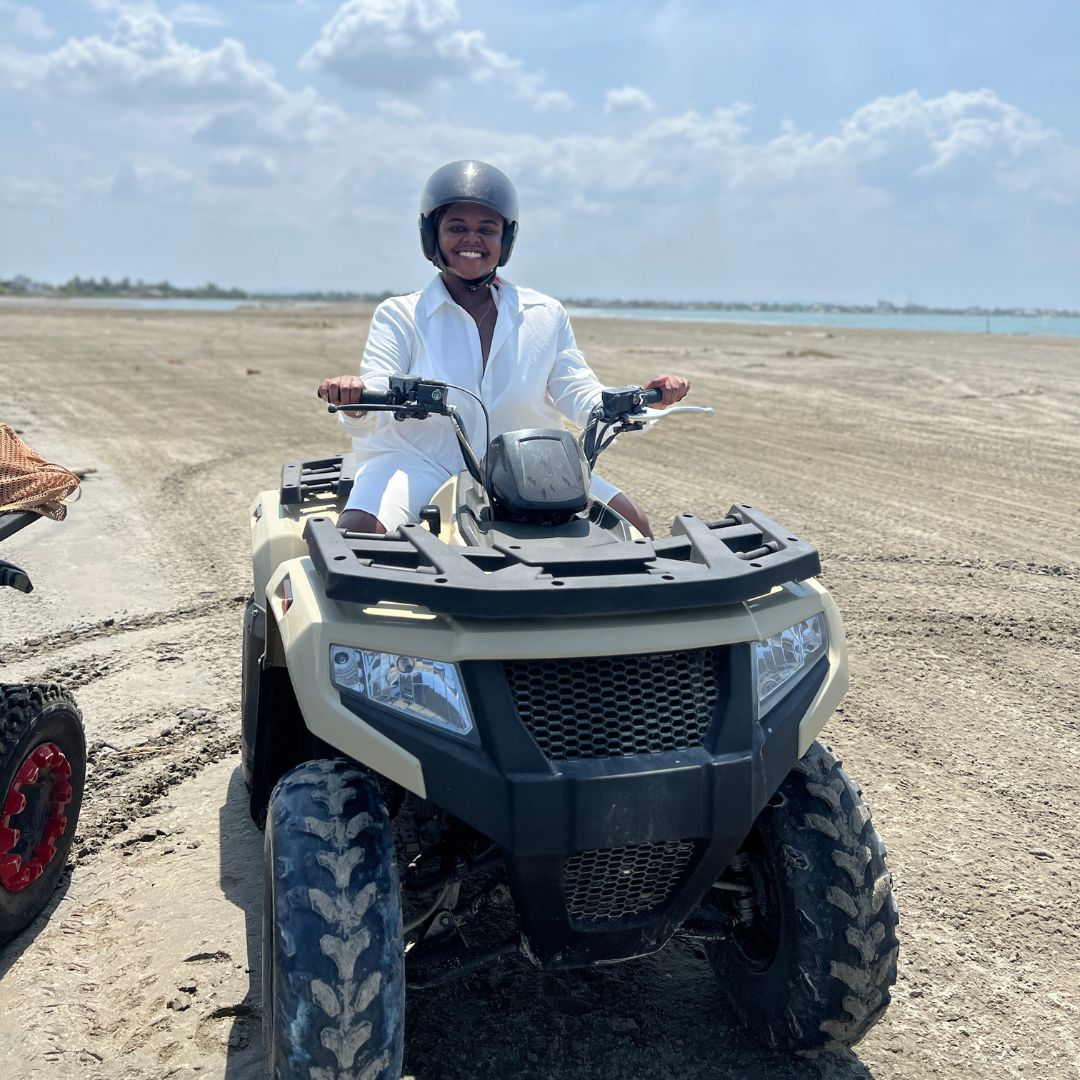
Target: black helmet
[{"x": 472, "y": 182}]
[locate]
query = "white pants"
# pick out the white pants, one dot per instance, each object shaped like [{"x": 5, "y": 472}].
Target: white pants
[{"x": 393, "y": 488}]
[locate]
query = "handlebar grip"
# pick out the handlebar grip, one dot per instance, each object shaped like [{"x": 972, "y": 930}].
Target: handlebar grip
[
  {"x": 652, "y": 397},
  {"x": 375, "y": 397},
  {"x": 369, "y": 399}
]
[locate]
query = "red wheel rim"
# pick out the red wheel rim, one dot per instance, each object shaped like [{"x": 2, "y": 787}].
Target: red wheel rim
[{"x": 17, "y": 871}]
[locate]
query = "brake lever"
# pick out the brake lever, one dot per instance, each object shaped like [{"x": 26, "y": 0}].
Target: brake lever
[
  {"x": 650, "y": 416},
  {"x": 361, "y": 406}
]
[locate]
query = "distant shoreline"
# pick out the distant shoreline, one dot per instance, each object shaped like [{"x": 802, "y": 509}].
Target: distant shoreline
[
  {"x": 22, "y": 287},
  {"x": 629, "y": 306},
  {"x": 765, "y": 308},
  {"x": 826, "y": 324}
]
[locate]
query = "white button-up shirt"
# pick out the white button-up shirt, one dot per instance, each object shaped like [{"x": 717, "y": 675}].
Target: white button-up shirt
[{"x": 535, "y": 374}]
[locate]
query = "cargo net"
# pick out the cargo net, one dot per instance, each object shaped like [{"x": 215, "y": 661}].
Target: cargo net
[{"x": 29, "y": 482}]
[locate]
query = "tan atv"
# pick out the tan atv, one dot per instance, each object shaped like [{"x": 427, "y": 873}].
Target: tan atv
[{"x": 520, "y": 729}]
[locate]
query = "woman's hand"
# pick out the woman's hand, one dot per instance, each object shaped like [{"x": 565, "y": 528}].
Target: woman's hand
[
  {"x": 674, "y": 387},
  {"x": 343, "y": 390}
]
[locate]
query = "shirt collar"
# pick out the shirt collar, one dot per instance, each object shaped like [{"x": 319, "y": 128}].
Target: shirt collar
[{"x": 435, "y": 295}]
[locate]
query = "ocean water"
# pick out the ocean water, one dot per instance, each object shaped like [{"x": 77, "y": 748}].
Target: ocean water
[
  {"x": 1044, "y": 326},
  {"x": 160, "y": 304},
  {"x": 1037, "y": 325}
]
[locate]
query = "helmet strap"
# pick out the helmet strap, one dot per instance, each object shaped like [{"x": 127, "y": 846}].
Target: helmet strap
[{"x": 472, "y": 284}]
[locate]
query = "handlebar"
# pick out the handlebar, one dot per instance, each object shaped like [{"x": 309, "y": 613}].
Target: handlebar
[
  {"x": 408, "y": 399},
  {"x": 624, "y": 401},
  {"x": 623, "y": 408},
  {"x": 418, "y": 398}
]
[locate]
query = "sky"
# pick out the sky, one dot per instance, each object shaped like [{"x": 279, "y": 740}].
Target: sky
[{"x": 682, "y": 150}]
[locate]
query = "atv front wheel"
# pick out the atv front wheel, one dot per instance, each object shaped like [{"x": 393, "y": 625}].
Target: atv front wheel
[
  {"x": 42, "y": 774},
  {"x": 812, "y": 953},
  {"x": 333, "y": 962}
]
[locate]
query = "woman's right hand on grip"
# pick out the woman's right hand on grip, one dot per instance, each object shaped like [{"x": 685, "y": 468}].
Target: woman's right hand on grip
[{"x": 343, "y": 390}]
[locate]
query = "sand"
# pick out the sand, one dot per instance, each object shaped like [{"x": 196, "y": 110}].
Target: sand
[{"x": 936, "y": 473}]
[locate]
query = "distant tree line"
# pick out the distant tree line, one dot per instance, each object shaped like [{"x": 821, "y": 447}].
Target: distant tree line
[
  {"x": 882, "y": 307},
  {"x": 125, "y": 288}
]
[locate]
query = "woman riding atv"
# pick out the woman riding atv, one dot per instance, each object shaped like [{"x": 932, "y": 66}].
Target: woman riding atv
[{"x": 513, "y": 348}]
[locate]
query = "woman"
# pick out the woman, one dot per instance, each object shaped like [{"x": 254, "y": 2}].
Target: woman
[{"x": 512, "y": 347}]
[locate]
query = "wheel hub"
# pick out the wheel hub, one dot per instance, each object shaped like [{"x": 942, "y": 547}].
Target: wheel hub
[
  {"x": 749, "y": 897},
  {"x": 33, "y": 816}
]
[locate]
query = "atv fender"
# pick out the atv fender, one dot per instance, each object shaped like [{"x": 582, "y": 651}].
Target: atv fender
[
  {"x": 277, "y": 533},
  {"x": 300, "y": 633},
  {"x": 833, "y": 689}
]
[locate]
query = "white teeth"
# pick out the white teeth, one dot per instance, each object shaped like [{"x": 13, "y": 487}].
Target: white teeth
[{"x": 469, "y": 254}]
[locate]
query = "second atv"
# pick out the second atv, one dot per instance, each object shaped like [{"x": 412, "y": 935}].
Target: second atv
[{"x": 42, "y": 773}]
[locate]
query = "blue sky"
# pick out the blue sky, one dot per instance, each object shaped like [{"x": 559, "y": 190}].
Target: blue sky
[{"x": 683, "y": 150}]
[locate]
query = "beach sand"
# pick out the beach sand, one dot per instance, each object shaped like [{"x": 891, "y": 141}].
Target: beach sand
[{"x": 938, "y": 476}]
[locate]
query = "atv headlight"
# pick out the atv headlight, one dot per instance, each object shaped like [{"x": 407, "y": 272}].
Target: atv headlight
[
  {"x": 429, "y": 691},
  {"x": 782, "y": 660}
]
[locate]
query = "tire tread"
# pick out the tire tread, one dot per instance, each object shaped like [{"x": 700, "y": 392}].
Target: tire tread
[
  {"x": 340, "y": 919},
  {"x": 831, "y": 985}
]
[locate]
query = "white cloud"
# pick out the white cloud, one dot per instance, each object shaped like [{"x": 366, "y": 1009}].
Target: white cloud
[
  {"x": 142, "y": 62},
  {"x": 697, "y": 203},
  {"x": 407, "y": 46},
  {"x": 22, "y": 191},
  {"x": 114, "y": 7},
  {"x": 219, "y": 95},
  {"x": 197, "y": 15},
  {"x": 393, "y": 108},
  {"x": 672, "y": 157},
  {"x": 26, "y": 21},
  {"x": 157, "y": 181},
  {"x": 628, "y": 99},
  {"x": 953, "y": 126},
  {"x": 243, "y": 168},
  {"x": 891, "y": 159},
  {"x": 301, "y": 119}
]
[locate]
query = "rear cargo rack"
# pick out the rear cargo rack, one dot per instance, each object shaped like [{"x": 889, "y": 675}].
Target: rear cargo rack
[
  {"x": 702, "y": 564},
  {"x": 302, "y": 480}
]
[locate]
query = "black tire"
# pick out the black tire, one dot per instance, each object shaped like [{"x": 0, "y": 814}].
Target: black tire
[
  {"x": 814, "y": 966},
  {"x": 42, "y": 741},
  {"x": 250, "y": 679},
  {"x": 333, "y": 960}
]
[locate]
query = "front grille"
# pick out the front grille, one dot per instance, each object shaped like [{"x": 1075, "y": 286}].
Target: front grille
[
  {"x": 612, "y": 885},
  {"x": 613, "y": 706}
]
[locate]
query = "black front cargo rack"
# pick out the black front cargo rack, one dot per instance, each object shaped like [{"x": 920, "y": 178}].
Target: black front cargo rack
[{"x": 702, "y": 564}]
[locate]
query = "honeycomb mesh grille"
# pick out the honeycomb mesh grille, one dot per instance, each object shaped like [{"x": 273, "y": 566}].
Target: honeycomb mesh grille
[
  {"x": 613, "y": 885},
  {"x": 614, "y": 706}
]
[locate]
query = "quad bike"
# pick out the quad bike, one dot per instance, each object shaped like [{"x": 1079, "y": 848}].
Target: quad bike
[
  {"x": 42, "y": 773},
  {"x": 521, "y": 729}
]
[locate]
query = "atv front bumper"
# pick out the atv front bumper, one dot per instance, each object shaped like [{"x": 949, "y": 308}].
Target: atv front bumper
[
  {"x": 609, "y": 843},
  {"x": 607, "y": 855}
]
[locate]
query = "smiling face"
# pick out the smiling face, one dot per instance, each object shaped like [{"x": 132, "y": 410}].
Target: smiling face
[{"x": 470, "y": 239}]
